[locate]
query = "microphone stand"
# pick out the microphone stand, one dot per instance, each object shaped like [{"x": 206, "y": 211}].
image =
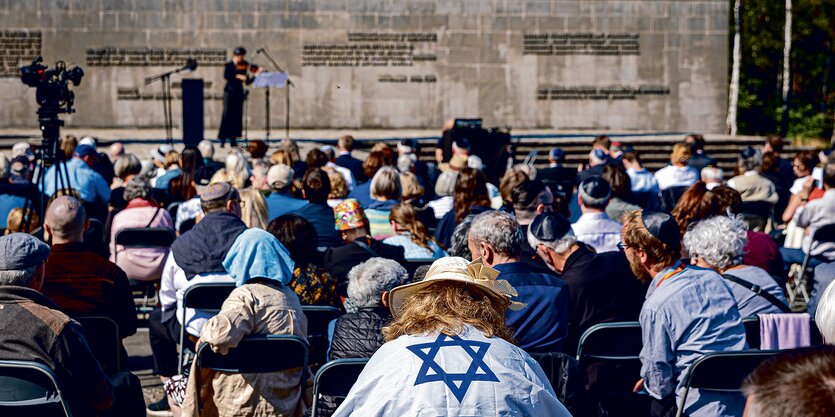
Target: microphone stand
[
  {"x": 165, "y": 78},
  {"x": 263, "y": 50}
]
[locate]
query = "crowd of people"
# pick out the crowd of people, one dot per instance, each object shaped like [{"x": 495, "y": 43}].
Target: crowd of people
[{"x": 449, "y": 283}]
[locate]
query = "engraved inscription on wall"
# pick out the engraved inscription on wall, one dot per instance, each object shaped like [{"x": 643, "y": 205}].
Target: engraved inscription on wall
[
  {"x": 17, "y": 48},
  {"x": 373, "y": 49},
  {"x": 140, "y": 57},
  {"x": 599, "y": 93},
  {"x": 581, "y": 44}
]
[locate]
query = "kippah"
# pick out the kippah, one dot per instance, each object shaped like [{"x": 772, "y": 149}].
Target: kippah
[
  {"x": 557, "y": 154},
  {"x": 549, "y": 227},
  {"x": 661, "y": 226},
  {"x": 216, "y": 191},
  {"x": 748, "y": 152},
  {"x": 594, "y": 187}
]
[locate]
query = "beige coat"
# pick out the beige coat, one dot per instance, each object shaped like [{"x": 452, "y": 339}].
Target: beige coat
[{"x": 251, "y": 309}]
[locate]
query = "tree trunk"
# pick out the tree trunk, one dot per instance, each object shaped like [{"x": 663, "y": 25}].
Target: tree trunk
[
  {"x": 787, "y": 49},
  {"x": 733, "y": 91}
]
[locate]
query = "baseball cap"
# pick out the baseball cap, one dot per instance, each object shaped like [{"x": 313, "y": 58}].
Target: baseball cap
[{"x": 280, "y": 176}]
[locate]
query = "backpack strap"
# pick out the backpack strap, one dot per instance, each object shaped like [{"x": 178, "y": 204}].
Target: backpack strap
[{"x": 756, "y": 289}]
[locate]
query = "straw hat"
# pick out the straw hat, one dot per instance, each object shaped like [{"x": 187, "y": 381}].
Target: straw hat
[{"x": 476, "y": 274}]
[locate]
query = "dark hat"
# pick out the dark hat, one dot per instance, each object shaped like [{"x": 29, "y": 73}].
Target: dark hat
[
  {"x": 19, "y": 251},
  {"x": 595, "y": 188},
  {"x": 748, "y": 152},
  {"x": 204, "y": 175},
  {"x": 239, "y": 51},
  {"x": 557, "y": 154},
  {"x": 85, "y": 150},
  {"x": 217, "y": 191},
  {"x": 661, "y": 226},
  {"x": 549, "y": 227}
]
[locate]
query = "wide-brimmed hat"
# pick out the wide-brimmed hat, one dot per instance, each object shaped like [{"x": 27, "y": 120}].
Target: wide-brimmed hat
[{"x": 477, "y": 275}]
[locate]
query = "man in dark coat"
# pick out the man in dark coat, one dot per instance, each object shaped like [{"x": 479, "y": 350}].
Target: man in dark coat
[{"x": 345, "y": 145}]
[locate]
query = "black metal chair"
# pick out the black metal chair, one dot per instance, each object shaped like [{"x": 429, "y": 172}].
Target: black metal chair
[
  {"x": 721, "y": 371},
  {"x": 318, "y": 319},
  {"x": 102, "y": 335},
  {"x": 255, "y": 355},
  {"x": 143, "y": 237},
  {"x": 823, "y": 234},
  {"x": 206, "y": 296},
  {"x": 30, "y": 388},
  {"x": 335, "y": 380},
  {"x": 670, "y": 196},
  {"x": 752, "y": 332},
  {"x": 617, "y": 341}
]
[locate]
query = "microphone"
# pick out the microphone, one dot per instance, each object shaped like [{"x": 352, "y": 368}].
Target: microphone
[
  {"x": 259, "y": 50},
  {"x": 191, "y": 65}
]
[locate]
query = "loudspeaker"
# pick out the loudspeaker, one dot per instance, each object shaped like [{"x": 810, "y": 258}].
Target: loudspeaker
[{"x": 192, "y": 111}]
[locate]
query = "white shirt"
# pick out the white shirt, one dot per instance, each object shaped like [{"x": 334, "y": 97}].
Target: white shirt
[
  {"x": 797, "y": 185},
  {"x": 345, "y": 172},
  {"x": 673, "y": 176},
  {"x": 441, "y": 206},
  {"x": 642, "y": 180},
  {"x": 598, "y": 231},
  {"x": 172, "y": 287}
]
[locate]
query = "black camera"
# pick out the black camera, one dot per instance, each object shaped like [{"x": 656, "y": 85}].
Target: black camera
[{"x": 53, "y": 94}]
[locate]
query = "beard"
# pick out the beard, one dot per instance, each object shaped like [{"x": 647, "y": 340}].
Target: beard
[{"x": 637, "y": 267}]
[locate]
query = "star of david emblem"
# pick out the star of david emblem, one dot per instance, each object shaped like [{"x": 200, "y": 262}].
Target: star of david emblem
[{"x": 458, "y": 383}]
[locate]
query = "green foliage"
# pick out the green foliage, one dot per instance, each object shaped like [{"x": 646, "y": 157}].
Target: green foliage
[{"x": 812, "y": 98}]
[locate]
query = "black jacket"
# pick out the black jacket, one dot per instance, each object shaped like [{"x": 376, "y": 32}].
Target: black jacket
[
  {"x": 340, "y": 260},
  {"x": 33, "y": 329},
  {"x": 201, "y": 250},
  {"x": 359, "y": 335},
  {"x": 353, "y": 164}
]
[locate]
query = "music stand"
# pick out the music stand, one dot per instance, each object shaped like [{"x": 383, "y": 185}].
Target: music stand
[
  {"x": 289, "y": 83},
  {"x": 270, "y": 80}
]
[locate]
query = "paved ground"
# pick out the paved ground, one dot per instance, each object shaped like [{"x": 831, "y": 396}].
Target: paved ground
[{"x": 141, "y": 362}]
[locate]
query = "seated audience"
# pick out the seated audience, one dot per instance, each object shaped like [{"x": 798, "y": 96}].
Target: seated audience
[
  {"x": 462, "y": 306},
  {"x": 339, "y": 190},
  {"x": 815, "y": 214},
  {"x": 253, "y": 208},
  {"x": 774, "y": 144},
  {"x": 36, "y": 330},
  {"x": 372, "y": 163},
  {"x": 712, "y": 177},
  {"x": 678, "y": 322},
  {"x": 557, "y": 172},
  {"x": 698, "y": 159},
  {"x": 195, "y": 257},
  {"x": 281, "y": 200},
  {"x": 262, "y": 304},
  {"x": 20, "y": 220},
  {"x": 529, "y": 199},
  {"x": 695, "y": 204},
  {"x": 359, "y": 246},
  {"x": 330, "y": 157},
  {"x": 78, "y": 280},
  {"x": 126, "y": 167},
  {"x": 495, "y": 238},
  {"x": 238, "y": 169},
  {"x": 444, "y": 190},
  {"x": 189, "y": 211},
  {"x": 794, "y": 383},
  {"x": 642, "y": 181},
  {"x": 386, "y": 193},
  {"x": 717, "y": 243},
  {"x": 620, "y": 203},
  {"x": 181, "y": 187},
  {"x": 316, "y": 190},
  {"x": 678, "y": 173},
  {"x": 207, "y": 151},
  {"x": 824, "y": 275},
  {"x": 313, "y": 284},
  {"x": 415, "y": 196},
  {"x": 257, "y": 149},
  {"x": 344, "y": 146},
  {"x": 292, "y": 148},
  {"x": 754, "y": 188},
  {"x": 470, "y": 198},
  {"x": 172, "y": 170},
  {"x": 594, "y": 227},
  {"x": 90, "y": 185},
  {"x": 145, "y": 263},
  {"x": 358, "y": 334},
  {"x": 411, "y": 234}
]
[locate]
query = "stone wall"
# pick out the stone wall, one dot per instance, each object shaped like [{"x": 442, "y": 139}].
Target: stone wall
[{"x": 573, "y": 64}]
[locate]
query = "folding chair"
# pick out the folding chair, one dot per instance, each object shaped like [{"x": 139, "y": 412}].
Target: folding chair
[
  {"x": 206, "y": 296},
  {"x": 752, "y": 332},
  {"x": 172, "y": 209},
  {"x": 617, "y": 342},
  {"x": 30, "y": 388},
  {"x": 824, "y": 234},
  {"x": 102, "y": 335},
  {"x": 143, "y": 237},
  {"x": 335, "y": 380},
  {"x": 255, "y": 355},
  {"x": 318, "y": 319},
  {"x": 721, "y": 371}
]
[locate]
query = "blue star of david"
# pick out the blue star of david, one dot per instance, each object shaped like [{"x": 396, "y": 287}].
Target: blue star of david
[{"x": 458, "y": 383}]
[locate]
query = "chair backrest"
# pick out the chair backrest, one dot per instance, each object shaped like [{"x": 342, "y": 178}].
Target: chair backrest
[
  {"x": 721, "y": 371},
  {"x": 756, "y": 208},
  {"x": 335, "y": 379},
  {"x": 825, "y": 233},
  {"x": 30, "y": 388},
  {"x": 318, "y": 319},
  {"x": 145, "y": 237},
  {"x": 207, "y": 296},
  {"x": 257, "y": 354},
  {"x": 752, "y": 332},
  {"x": 671, "y": 195},
  {"x": 102, "y": 335},
  {"x": 173, "y": 208},
  {"x": 618, "y": 341}
]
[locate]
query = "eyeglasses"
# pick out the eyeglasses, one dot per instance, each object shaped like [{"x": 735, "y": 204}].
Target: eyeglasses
[{"x": 621, "y": 246}]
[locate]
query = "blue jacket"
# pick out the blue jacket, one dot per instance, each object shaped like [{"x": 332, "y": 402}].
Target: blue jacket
[
  {"x": 321, "y": 217},
  {"x": 279, "y": 204},
  {"x": 90, "y": 185},
  {"x": 543, "y": 324},
  {"x": 353, "y": 164}
]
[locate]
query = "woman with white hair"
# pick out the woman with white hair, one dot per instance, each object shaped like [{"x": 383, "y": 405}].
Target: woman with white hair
[
  {"x": 444, "y": 189},
  {"x": 237, "y": 168},
  {"x": 718, "y": 243}
]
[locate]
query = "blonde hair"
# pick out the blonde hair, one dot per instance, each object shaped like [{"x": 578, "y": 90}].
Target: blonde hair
[
  {"x": 405, "y": 217},
  {"x": 410, "y": 186},
  {"x": 446, "y": 306},
  {"x": 222, "y": 175},
  {"x": 386, "y": 184},
  {"x": 16, "y": 219},
  {"x": 253, "y": 208},
  {"x": 282, "y": 156},
  {"x": 680, "y": 154},
  {"x": 339, "y": 189},
  {"x": 171, "y": 158}
]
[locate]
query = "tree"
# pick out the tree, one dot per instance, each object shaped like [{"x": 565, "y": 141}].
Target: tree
[
  {"x": 733, "y": 91},
  {"x": 787, "y": 50}
]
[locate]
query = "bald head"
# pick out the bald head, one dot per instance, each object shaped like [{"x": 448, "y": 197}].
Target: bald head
[
  {"x": 66, "y": 219},
  {"x": 116, "y": 150}
]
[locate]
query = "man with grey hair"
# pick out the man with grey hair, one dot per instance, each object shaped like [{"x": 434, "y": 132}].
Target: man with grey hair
[
  {"x": 594, "y": 227},
  {"x": 34, "y": 329},
  {"x": 207, "y": 151},
  {"x": 719, "y": 243},
  {"x": 496, "y": 238},
  {"x": 753, "y": 187},
  {"x": 259, "y": 175},
  {"x": 358, "y": 334},
  {"x": 712, "y": 177}
]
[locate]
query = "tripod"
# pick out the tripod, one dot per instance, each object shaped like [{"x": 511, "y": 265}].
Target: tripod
[{"x": 45, "y": 157}]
